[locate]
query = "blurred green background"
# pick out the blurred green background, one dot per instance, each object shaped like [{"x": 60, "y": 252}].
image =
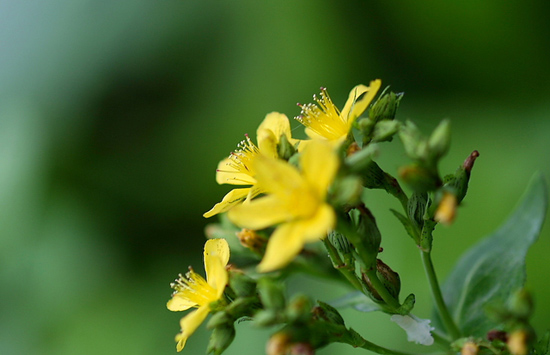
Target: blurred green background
[{"x": 113, "y": 116}]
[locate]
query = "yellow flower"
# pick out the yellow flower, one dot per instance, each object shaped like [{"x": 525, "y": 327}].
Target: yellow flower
[
  {"x": 192, "y": 290},
  {"x": 295, "y": 200},
  {"x": 324, "y": 121},
  {"x": 237, "y": 169}
]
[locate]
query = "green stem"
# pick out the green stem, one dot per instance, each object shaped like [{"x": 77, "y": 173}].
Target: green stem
[
  {"x": 381, "y": 350},
  {"x": 341, "y": 266},
  {"x": 438, "y": 297},
  {"x": 392, "y": 186}
]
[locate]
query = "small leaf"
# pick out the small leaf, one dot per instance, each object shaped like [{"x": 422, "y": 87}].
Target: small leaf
[
  {"x": 411, "y": 230},
  {"x": 495, "y": 267},
  {"x": 356, "y": 300}
]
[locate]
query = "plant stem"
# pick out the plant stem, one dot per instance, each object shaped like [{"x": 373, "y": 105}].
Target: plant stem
[
  {"x": 381, "y": 350},
  {"x": 341, "y": 266},
  {"x": 438, "y": 297}
]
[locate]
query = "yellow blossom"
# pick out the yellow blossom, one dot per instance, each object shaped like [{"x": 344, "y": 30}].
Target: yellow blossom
[
  {"x": 237, "y": 169},
  {"x": 324, "y": 121},
  {"x": 446, "y": 211},
  {"x": 192, "y": 290},
  {"x": 294, "y": 199}
]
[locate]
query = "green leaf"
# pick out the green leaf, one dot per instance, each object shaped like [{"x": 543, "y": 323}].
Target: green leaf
[
  {"x": 495, "y": 267},
  {"x": 356, "y": 300}
]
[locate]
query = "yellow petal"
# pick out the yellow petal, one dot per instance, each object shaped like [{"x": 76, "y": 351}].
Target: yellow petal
[
  {"x": 231, "y": 199},
  {"x": 190, "y": 323},
  {"x": 319, "y": 165},
  {"x": 354, "y": 108},
  {"x": 216, "y": 257},
  {"x": 288, "y": 239},
  {"x": 277, "y": 176},
  {"x": 178, "y": 303},
  {"x": 275, "y": 122},
  {"x": 228, "y": 174},
  {"x": 260, "y": 213},
  {"x": 267, "y": 143}
]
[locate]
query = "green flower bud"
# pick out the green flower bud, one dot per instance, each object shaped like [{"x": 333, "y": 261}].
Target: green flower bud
[
  {"x": 298, "y": 309},
  {"x": 416, "y": 146},
  {"x": 419, "y": 178},
  {"x": 340, "y": 242},
  {"x": 385, "y": 107},
  {"x": 271, "y": 294},
  {"x": 369, "y": 234},
  {"x": 327, "y": 313},
  {"x": 241, "y": 284},
  {"x": 416, "y": 207},
  {"x": 243, "y": 306},
  {"x": 218, "y": 319},
  {"x": 220, "y": 339},
  {"x": 285, "y": 149},
  {"x": 347, "y": 190},
  {"x": 389, "y": 278},
  {"x": 266, "y": 318},
  {"x": 407, "y": 305},
  {"x": 385, "y": 130},
  {"x": 459, "y": 183},
  {"x": 520, "y": 304},
  {"x": 358, "y": 160},
  {"x": 440, "y": 140}
]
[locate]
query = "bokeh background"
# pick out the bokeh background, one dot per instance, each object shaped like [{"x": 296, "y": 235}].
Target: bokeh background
[{"x": 114, "y": 114}]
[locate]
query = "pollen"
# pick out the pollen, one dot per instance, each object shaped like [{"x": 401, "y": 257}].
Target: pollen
[{"x": 323, "y": 117}]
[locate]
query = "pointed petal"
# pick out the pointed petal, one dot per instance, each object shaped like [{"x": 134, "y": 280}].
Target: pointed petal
[
  {"x": 216, "y": 257},
  {"x": 178, "y": 303},
  {"x": 227, "y": 174},
  {"x": 231, "y": 199},
  {"x": 354, "y": 107},
  {"x": 260, "y": 213},
  {"x": 319, "y": 165},
  {"x": 288, "y": 239},
  {"x": 190, "y": 323}
]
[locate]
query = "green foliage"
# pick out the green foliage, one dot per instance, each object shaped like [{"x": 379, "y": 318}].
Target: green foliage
[{"x": 495, "y": 267}]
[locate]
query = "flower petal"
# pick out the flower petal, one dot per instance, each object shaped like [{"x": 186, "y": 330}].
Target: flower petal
[
  {"x": 178, "y": 303},
  {"x": 288, "y": 239},
  {"x": 277, "y": 176},
  {"x": 216, "y": 257},
  {"x": 189, "y": 325},
  {"x": 231, "y": 199},
  {"x": 319, "y": 165},
  {"x": 228, "y": 174},
  {"x": 260, "y": 213},
  {"x": 354, "y": 108}
]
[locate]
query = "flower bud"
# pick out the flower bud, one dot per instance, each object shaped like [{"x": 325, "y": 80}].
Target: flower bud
[
  {"x": 219, "y": 319},
  {"x": 389, "y": 278},
  {"x": 385, "y": 130},
  {"x": 440, "y": 140},
  {"x": 416, "y": 207},
  {"x": 301, "y": 349},
  {"x": 252, "y": 240},
  {"x": 327, "y": 313},
  {"x": 520, "y": 304},
  {"x": 459, "y": 182},
  {"x": 518, "y": 342},
  {"x": 220, "y": 339},
  {"x": 241, "y": 284},
  {"x": 285, "y": 149},
  {"x": 420, "y": 178},
  {"x": 385, "y": 107},
  {"x": 265, "y": 318},
  {"x": 278, "y": 344},
  {"x": 469, "y": 348},
  {"x": 298, "y": 309},
  {"x": 271, "y": 294},
  {"x": 446, "y": 211},
  {"x": 347, "y": 190},
  {"x": 369, "y": 234}
]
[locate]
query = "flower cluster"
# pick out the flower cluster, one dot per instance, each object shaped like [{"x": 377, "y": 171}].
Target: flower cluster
[{"x": 291, "y": 193}]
